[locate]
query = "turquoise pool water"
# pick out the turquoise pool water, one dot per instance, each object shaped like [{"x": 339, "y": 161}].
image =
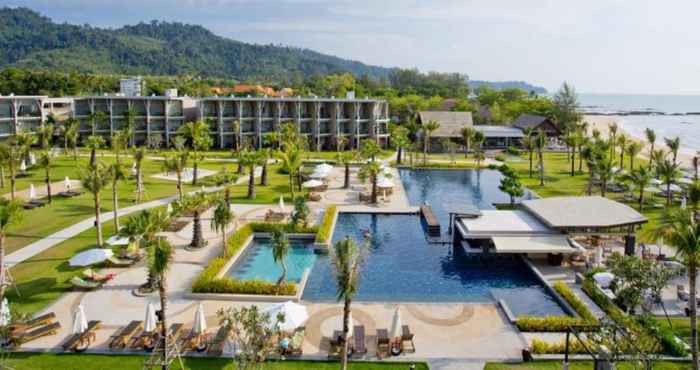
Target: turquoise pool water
[{"x": 257, "y": 263}]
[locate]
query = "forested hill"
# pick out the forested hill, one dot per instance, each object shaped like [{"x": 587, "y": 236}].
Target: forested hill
[
  {"x": 30, "y": 40},
  {"x": 500, "y": 85}
]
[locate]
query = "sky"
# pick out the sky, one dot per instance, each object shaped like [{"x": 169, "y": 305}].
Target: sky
[{"x": 601, "y": 46}]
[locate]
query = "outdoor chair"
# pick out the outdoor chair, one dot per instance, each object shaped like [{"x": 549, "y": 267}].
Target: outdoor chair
[
  {"x": 314, "y": 197},
  {"x": 175, "y": 331},
  {"x": 407, "y": 344},
  {"x": 80, "y": 342},
  {"x": 272, "y": 216},
  {"x": 295, "y": 342},
  {"x": 44, "y": 319},
  {"x": 216, "y": 347},
  {"x": 683, "y": 294},
  {"x": 145, "y": 340},
  {"x": 125, "y": 335},
  {"x": 193, "y": 342},
  {"x": 24, "y": 337},
  {"x": 359, "y": 339},
  {"x": 335, "y": 347},
  {"x": 81, "y": 284},
  {"x": 90, "y": 274},
  {"x": 383, "y": 344}
]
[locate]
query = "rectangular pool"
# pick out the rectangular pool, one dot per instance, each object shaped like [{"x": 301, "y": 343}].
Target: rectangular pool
[{"x": 256, "y": 262}]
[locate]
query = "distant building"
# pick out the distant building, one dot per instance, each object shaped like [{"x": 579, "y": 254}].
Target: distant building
[
  {"x": 452, "y": 124},
  {"x": 537, "y": 123},
  {"x": 255, "y": 90},
  {"x": 132, "y": 86},
  {"x": 20, "y": 113}
]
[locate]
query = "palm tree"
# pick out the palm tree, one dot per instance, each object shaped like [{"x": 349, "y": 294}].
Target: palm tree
[
  {"x": 196, "y": 203},
  {"x": 222, "y": 218},
  {"x": 45, "y": 161},
  {"x": 71, "y": 135},
  {"x": 370, "y": 172},
  {"x": 94, "y": 179},
  {"x": 139, "y": 155},
  {"x": 10, "y": 214},
  {"x": 130, "y": 129},
  {"x": 197, "y": 133},
  {"x": 478, "y": 141},
  {"x": 160, "y": 257},
  {"x": 46, "y": 132},
  {"x": 94, "y": 142},
  {"x": 346, "y": 260},
  {"x": 345, "y": 158},
  {"x": 529, "y": 143},
  {"x": 95, "y": 118},
  {"x": 612, "y": 137},
  {"x": 399, "y": 139},
  {"x": 651, "y": 138},
  {"x": 265, "y": 154},
  {"x": 369, "y": 149},
  {"x": 250, "y": 159},
  {"x": 633, "y": 150},
  {"x": 14, "y": 153},
  {"x": 588, "y": 154},
  {"x": 236, "y": 128},
  {"x": 141, "y": 229},
  {"x": 604, "y": 167},
  {"x": 680, "y": 228},
  {"x": 428, "y": 129},
  {"x": 669, "y": 173},
  {"x": 540, "y": 143},
  {"x": 117, "y": 173},
  {"x": 674, "y": 146},
  {"x": 280, "y": 249},
  {"x": 622, "y": 142},
  {"x": 640, "y": 177},
  {"x": 467, "y": 136},
  {"x": 177, "y": 163},
  {"x": 291, "y": 162}
]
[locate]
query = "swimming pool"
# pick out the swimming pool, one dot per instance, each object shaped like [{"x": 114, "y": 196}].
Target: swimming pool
[
  {"x": 256, "y": 262},
  {"x": 400, "y": 266}
]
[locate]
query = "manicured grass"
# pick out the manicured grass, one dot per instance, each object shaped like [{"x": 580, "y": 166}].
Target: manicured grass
[
  {"x": 681, "y": 325},
  {"x": 581, "y": 365},
  {"x": 31, "y": 361},
  {"x": 331, "y": 154}
]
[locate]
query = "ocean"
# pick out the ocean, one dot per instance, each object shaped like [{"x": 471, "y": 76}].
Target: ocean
[{"x": 668, "y": 115}]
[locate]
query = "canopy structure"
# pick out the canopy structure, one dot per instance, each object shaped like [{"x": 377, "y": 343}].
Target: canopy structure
[
  {"x": 324, "y": 167},
  {"x": 312, "y": 184},
  {"x": 90, "y": 256},
  {"x": 504, "y": 223},
  {"x": 385, "y": 183},
  {"x": 295, "y": 315},
  {"x": 533, "y": 244},
  {"x": 200, "y": 322}
]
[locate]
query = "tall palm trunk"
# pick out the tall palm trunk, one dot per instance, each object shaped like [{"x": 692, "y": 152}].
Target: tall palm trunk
[
  {"x": 263, "y": 175},
  {"x": 98, "y": 223},
  {"x": 346, "y": 183},
  {"x": 399, "y": 155},
  {"x": 589, "y": 186},
  {"x": 13, "y": 182},
  {"x": 251, "y": 183},
  {"x": 93, "y": 157},
  {"x": 580, "y": 159},
  {"x": 531, "y": 155},
  {"x": 179, "y": 185},
  {"x": 573, "y": 161},
  {"x": 197, "y": 241},
  {"x": 692, "y": 275},
  {"x": 425, "y": 149},
  {"x": 163, "y": 324},
  {"x": 668, "y": 194},
  {"x": 2, "y": 265},
  {"x": 2, "y": 176},
  {"x": 641, "y": 199},
  {"x": 65, "y": 144},
  {"x": 115, "y": 205},
  {"x": 195, "y": 165},
  {"x": 374, "y": 189},
  {"x": 346, "y": 329},
  {"x": 291, "y": 182},
  {"x": 47, "y": 179},
  {"x": 75, "y": 152},
  {"x": 541, "y": 160},
  {"x": 139, "y": 183}
]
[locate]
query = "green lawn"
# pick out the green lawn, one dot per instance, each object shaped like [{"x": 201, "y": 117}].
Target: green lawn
[
  {"x": 681, "y": 325},
  {"x": 580, "y": 365},
  {"x": 31, "y": 361}
]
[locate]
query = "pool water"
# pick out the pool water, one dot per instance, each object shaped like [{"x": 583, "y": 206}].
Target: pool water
[
  {"x": 257, "y": 263},
  {"x": 400, "y": 266}
]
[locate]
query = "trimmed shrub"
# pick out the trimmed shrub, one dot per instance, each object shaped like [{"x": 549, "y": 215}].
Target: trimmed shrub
[
  {"x": 324, "y": 232},
  {"x": 540, "y": 347},
  {"x": 500, "y": 158},
  {"x": 578, "y": 306},
  {"x": 267, "y": 227},
  {"x": 547, "y": 323},
  {"x": 513, "y": 150},
  {"x": 671, "y": 344}
]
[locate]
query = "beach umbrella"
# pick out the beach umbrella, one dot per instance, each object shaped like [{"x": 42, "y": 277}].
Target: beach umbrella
[
  {"x": 117, "y": 240},
  {"x": 169, "y": 209},
  {"x": 319, "y": 174},
  {"x": 281, "y": 203},
  {"x": 151, "y": 320},
  {"x": 67, "y": 184},
  {"x": 656, "y": 182},
  {"x": 651, "y": 189},
  {"x": 385, "y": 183},
  {"x": 32, "y": 192},
  {"x": 603, "y": 279},
  {"x": 351, "y": 324},
  {"x": 684, "y": 202},
  {"x": 5, "y": 315},
  {"x": 32, "y": 159},
  {"x": 324, "y": 167},
  {"x": 90, "y": 256},
  {"x": 396, "y": 324},
  {"x": 312, "y": 184},
  {"x": 79, "y": 320},
  {"x": 23, "y": 166},
  {"x": 295, "y": 315},
  {"x": 598, "y": 256},
  {"x": 200, "y": 323}
]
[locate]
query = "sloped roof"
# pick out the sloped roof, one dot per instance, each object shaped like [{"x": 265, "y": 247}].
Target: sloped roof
[
  {"x": 451, "y": 123},
  {"x": 526, "y": 120},
  {"x": 583, "y": 212},
  {"x": 500, "y": 131}
]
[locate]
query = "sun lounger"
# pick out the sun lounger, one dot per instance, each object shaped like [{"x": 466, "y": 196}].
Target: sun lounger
[
  {"x": 145, "y": 340},
  {"x": 683, "y": 294},
  {"x": 116, "y": 262},
  {"x": 407, "y": 344},
  {"x": 359, "y": 339},
  {"x": 383, "y": 344},
  {"x": 193, "y": 342},
  {"x": 272, "y": 216},
  {"x": 216, "y": 347},
  {"x": 125, "y": 335},
  {"x": 335, "y": 346},
  {"x": 295, "y": 342},
  {"x": 30, "y": 324},
  {"x": 39, "y": 332},
  {"x": 91, "y": 274},
  {"x": 175, "y": 331},
  {"x": 70, "y": 193},
  {"x": 81, "y": 284},
  {"x": 80, "y": 342}
]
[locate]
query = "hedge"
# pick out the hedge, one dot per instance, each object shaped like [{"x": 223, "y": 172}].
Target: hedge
[
  {"x": 558, "y": 323},
  {"x": 207, "y": 282},
  {"x": 324, "y": 232},
  {"x": 268, "y": 227},
  {"x": 578, "y": 305},
  {"x": 540, "y": 347}
]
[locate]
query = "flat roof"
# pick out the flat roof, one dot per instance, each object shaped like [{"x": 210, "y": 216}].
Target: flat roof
[
  {"x": 292, "y": 99},
  {"x": 500, "y": 131},
  {"x": 533, "y": 244},
  {"x": 503, "y": 222},
  {"x": 583, "y": 212}
]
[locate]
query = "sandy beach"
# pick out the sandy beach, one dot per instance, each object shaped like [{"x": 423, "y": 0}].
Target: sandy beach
[{"x": 601, "y": 123}]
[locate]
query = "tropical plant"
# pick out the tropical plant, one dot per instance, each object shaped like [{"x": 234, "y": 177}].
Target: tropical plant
[
  {"x": 141, "y": 230},
  {"x": 651, "y": 138},
  {"x": 95, "y": 119},
  {"x": 160, "y": 258},
  {"x": 250, "y": 159},
  {"x": 265, "y": 154},
  {"x": 604, "y": 167},
  {"x": 668, "y": 172},
  {"x": 399, "y": 139},
  {"x": 467, "y": 136},
  {"x": 565, "y": 108},
  {"x": 94, "y": 142},
  {"x": 346, "y": 259},
  {"x": 10, "y": 215},
  {"x": 254, "y": 331},
  {"x": 301, "y": 212},
  {"x": 196, "y": 204},
  {"x": 45, "y": 162},
  {"x": 540, "y": 144},
  {"x": 633, "y": 150},
  {"x": 587, "y": 154},
  {"x": 612, "y": 137},
  {"x": 291, "y": 163},
  {"x": 46, "y": 132},
  {"x": 139, "y": 155},
  {"x": 622, "y": 142},
  {"x": 280, "y": 249},
  {"x": 510, "y": 183},
  {"x": 370, "y": 172},
  {"x": 117, "y": 173},
  {"x": 129, "y": 130},
  {"x": 177, "y": 162},
  {"x": 71, "y": 135},
  {"x": 94, "y": 179},
  {"x": 478, "y": 141},
  {"x": 673, "y": 145},
  {"x": 344, "y": 159},
  {"x": 197, "y": 134},
  {"x": 529, "y": 143},
  {"x": 222, "y": 218},
  {"x": 640, "y": 177},
  {"x": 369, "y": 149},
  {"x": 428, "y": 129},
  {"x": 13, "y": 153}
]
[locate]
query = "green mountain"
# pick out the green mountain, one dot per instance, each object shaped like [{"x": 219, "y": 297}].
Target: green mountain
[{"x": 30, "y": 40}]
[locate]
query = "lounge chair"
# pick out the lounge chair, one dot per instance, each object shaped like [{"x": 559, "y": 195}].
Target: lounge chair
[
  {"x": 82, "y": 284},
  {"x": 146, "y": 340},
  {"x": 407, "y": 344},
  {"x": 91, "y": 274},
  {"x": 335, "y": 347},
  {"x": 272, "y": 216},
  {"x": 39, "y": 332},
  {"x": 193, "y": 342},
  {"x": 295, "y": 342},
  {"x": 683, "y": 294},
  {"x": 175, "y": 331},
  {"x": 44, "y": 319},
  {"x": 383, "y": 344},
  {"x": 80, "y": 342},
  {"x": 125, "y": 335},
  {"x": 117, "y": 262},
  {"x": 216, "y": 346},
  {"x": 358, "y": 337},
  {"x": 130, "y": 256},
  {"x": 314, "y": 197}
]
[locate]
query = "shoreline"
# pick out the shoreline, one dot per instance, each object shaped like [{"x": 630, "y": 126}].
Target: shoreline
[{"x": 601, "y": 123}]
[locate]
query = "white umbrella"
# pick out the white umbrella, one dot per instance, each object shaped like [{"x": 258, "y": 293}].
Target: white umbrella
[
  {"x": 32, "y": 192},
  {"x": 281, "y": 203},
  {"x": 169, "y": 209},
  {"x": 91, "y": 256},
  {"x": 295, "y": 315},
  {"x": 675, "y": 188},
  {"x": 32, "y": 159},
  {"x": 603, "y": 279},
  {"x": 312, "y": 184},
  {"x": 79, "y": 320},
  {"x": 67, "y": 184},
  {"x": 385, "y": 183},
  {"x": 598, "y": 256},
  {"x": 319, "y": 174},
  {"x": 651, "y": 189},
  {"x": 351, "y": 324},
  {"x": 324, "y": 167},
  {"x": 396, "y": 324},
  {"x": 656, "y": 182},
  {"x": 684, "y": 202},
  {"x": 5, "y": 315},
  {"x": 151, "y": 320},
  {"x": 23, "y": 166},
  {"x": 117, "y": 240},
  {"x": 200, "y": 323}
]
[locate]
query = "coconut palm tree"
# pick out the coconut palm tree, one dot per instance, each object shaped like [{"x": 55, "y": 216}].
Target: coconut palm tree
[
  {"x": 467, "y": 136},
  {"x": 95, "y": 119},
  {"x": 399, "y": 139},
  {"x": 265, "y": 154},
  {"x": 651, "y": 138},
  {"x": 612, "y": 137},
  {"x": 369, "y": 149},
  {"x": 280, "y": 249},
  {"x": 680, "y": 228},
  {"x": 674, "y": 145},
  {"x": 529, "y": 144},
  {"x": 94, "y": 142},
  {"x": 14, "y": 152},
  {"x": 46, "y": 132},
  {"x": 139, "y": 155},
  {"x": 94, "y": 179},
  {"x": 117, "y": 173},
  {"x": 196, "y": 203},
  {"x": 250, "y": 159},
  {"x": 622, "y": 142},
  {"x": 177, "y": 163},
  {"x": 129, "y": 130},
  {"x": 197, "y": 134},
  {"x": 291, "y": 163},
  {"x": 71, "y": 135},
  {"x": 10, "y": 214},
  {"x": 478, "y": 141},
  {"x": 141, "y": 229},
  {"x": 640, "y": 177},
  {"x": 633, "y": 150},
  {"x": 588, "y": 155},
  {"x": 540, "y": 144},
  {"x": 370, "y": 172},
  {"x": 222, "y": 218},
  {"x": 344, "y": 159},
  {"x": 669, "y": 173},
  {"x": 346, "y": 260},
  {"x": 45, "y": 162},
  {"x": 604, "y": 168},
  {"x": 160, "y": 257},
  {"x": 428, "y": 129}
]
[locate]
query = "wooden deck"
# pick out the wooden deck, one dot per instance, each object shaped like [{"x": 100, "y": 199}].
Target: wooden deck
[{"x": 432, "y": 223}]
